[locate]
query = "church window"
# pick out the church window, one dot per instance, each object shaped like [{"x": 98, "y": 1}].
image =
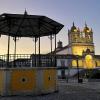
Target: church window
[{"x": 83, "y": 35}]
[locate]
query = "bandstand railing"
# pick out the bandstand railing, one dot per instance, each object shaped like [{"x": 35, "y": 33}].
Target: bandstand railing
[
  {"x": 17, "y": 60},
  {"x": 32, "y": 60},
  {"x": 27, "y": 60}
]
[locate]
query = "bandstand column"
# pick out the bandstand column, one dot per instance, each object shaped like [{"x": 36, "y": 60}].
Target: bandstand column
[
  {"x": 8, "y": 43},
  {"x": 51, "y": 49},
  {"x": 8, "y": 51},
  {"x": 55, "y": 50},
  {"x": 14, "y": 50},
  {"x": 35, "y": 50},
  {"x": 39, "y": 54}
]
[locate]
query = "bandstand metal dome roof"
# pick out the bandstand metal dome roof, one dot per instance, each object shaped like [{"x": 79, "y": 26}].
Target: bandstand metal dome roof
[{"x": 24, "y": 25}]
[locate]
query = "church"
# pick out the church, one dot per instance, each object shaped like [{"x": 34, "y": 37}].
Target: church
[{"x": 80, "y": 43}]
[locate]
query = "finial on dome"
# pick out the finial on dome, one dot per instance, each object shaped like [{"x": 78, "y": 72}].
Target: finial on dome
[
  {"x": 25, "y": 12},
  {"x": 73, "y": 28},
  {"x": 91, "y": 30},
  {"x": 73, "y": 24},
  {"x": 85, "y": 24},
  {"x": 86, "y": 28}
]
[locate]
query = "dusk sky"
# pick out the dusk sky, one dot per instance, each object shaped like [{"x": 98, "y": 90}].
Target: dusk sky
[{"x": 63, "y": 11}]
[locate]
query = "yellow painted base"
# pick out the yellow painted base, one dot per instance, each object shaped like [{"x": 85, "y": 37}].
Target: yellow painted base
[
  {"x": 23, "y": 80},
  {"x": 49, "y": 79},
  {"x": 2, "y": 73},
  {"x": 27, "y": 81}
]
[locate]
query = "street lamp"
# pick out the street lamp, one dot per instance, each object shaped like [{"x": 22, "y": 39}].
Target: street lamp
[
  {"x": 77, "y": 69},
  {"x": 51, "y": 37},
  {"x": 15, "y": 40}
]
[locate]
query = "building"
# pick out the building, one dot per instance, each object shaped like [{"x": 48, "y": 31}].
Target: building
[{"x": 80, "y": 42}]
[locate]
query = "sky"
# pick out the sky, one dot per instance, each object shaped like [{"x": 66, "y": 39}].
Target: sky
[{"x": 63, "y": 11}]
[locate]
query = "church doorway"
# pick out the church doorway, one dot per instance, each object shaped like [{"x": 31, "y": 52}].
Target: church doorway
[{"x": 89, "y": 63}]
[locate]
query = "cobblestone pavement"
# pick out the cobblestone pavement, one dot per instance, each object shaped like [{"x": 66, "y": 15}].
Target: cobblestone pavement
[{"x": 67, "y": 91}]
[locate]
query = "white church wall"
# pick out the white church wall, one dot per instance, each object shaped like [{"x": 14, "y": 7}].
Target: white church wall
[
  {"x": 62, "y": 62},
  {"x": 65, "y": 51},
  {"x": 69, "y": 50},
  {"x": 69, "y": 72},
  {"x": 62, "y": 52}
]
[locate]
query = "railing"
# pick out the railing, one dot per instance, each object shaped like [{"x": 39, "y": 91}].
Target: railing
[
  {"x": 31, "y": 60},
  {"x": 45, "y": 60},
  {"x": 17, "y": 60},
  {"x": 27, "y": 60}
]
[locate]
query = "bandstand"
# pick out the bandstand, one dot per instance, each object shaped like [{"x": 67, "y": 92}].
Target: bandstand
[{"x": 28, "y": 74}]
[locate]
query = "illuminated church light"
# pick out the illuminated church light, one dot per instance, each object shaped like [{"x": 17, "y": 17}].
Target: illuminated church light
[
  {"x": 88, "y": 62},
  {"x": 74, "y": 63}
]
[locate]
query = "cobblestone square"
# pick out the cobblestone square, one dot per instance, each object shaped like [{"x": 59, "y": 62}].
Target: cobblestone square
[{"x": 67, "y": 91}]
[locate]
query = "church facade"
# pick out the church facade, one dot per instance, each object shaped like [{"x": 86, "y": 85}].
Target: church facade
[{"x": 80, "y": 42}]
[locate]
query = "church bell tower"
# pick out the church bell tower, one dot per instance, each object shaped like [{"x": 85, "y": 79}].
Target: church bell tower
[{"x": 80, "y": 40}]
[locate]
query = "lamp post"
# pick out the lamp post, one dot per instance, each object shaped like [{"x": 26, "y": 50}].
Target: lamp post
[
  {"x": 77, "y": 69},
  {"x": 15, "y": 40},
  {"x": 51, "y": 37},
  {"x": 35, "y": 40}
]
